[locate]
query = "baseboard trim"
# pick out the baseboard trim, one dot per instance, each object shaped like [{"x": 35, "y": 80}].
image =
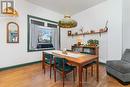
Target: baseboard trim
[
  {"x": 102, "y": 63},
  {"x": 19, "y": 65}
]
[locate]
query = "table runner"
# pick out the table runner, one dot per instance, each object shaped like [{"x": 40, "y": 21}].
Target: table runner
[{"x": 69, "y": 54}]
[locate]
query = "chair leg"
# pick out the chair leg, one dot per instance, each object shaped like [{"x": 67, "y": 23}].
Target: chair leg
[
  {"x": 86, "y": 73},
  {"x": 44, "y": 69},
  {"x": 76, "y": 71},
  {"x": 54, "y": 69},
  {"x": 74, "y": 75},
  {"x": 54, "y": 75},
  {"x": 82, "y": 70},
  {"x": 92, "y": 70},
  {"x": 50, "y": 71},
  {"x": 43, "y": 62},
  {"x": 63, "y": 76}
]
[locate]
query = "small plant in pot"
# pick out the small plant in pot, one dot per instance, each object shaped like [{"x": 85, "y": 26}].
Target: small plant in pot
[{"x": 93, "y": 42}]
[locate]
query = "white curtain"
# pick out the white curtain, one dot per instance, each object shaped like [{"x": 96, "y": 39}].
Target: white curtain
[{"x": 36, "y": 30}]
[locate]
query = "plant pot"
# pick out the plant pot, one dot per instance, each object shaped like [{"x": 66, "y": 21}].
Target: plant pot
[{"x": 92, "y": 44}]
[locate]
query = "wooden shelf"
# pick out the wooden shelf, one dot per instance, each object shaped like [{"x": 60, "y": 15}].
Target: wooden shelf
[
  {"x": 85, "y": 46},
  {"x": 100, "y": 32},
  {"x": 94, "y": 48}
]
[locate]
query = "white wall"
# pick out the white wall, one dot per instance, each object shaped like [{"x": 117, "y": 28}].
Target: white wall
[
  {"x": 115, "y": 29},
  {"x": 13, "y": 54},
  {"x": 126, "y": 24},
  {"x": 95, "y": 18},
  {"x": 92, "y": 18}
]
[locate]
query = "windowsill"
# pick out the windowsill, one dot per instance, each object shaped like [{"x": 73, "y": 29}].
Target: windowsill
[{"x": 40, "y": 49}]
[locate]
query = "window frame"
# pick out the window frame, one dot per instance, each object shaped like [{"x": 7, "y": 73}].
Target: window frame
[{"x": 28, "y": 32}]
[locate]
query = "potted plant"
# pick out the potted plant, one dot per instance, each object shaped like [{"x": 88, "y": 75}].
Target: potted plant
[{"x": 93, "y": 42}]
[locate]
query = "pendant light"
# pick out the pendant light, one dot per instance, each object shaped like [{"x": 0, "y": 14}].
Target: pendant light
[{"x": 67, "y": 22}]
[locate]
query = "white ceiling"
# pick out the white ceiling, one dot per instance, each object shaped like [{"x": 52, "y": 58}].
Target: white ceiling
[{"x": 66, "y": 7}]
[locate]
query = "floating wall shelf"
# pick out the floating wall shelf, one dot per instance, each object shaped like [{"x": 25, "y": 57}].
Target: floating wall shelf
[
  {"x": 91, "y": 32},
  {"x": 88, "y": 33}
]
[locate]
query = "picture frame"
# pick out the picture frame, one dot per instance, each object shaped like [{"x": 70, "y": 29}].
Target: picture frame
[
  {"x": 69, "y": 33},
  {"x": 12, "y": 32},
  {"x": 5, "y": 5}
]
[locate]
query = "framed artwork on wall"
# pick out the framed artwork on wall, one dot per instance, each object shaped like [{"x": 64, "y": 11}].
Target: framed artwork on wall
[
  {"x": 6, "y": 5},
  {"x": 69, "y": 33},
  {"x": 12, "y": 32}
]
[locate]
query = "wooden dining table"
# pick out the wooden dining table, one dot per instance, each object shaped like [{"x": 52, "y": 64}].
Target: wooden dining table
[{"x": 77, "y": 59}]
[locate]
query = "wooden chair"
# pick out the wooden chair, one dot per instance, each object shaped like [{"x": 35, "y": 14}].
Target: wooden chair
[
  {"x": 70, "y": 50},
  {"x": 60, "y": 64},
  {"x": 48, "y": 60},
  {"x": 91, "y": 65}
]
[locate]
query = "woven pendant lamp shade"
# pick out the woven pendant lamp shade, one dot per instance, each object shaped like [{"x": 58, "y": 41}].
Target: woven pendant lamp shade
[{"x": 67, "y": 22}]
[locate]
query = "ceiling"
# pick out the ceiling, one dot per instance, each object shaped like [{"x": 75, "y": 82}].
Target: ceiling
[{"x": 66, "y": 7}]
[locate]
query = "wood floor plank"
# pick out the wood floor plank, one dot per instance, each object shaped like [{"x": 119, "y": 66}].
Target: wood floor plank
[{"x": 33, "y": 76}]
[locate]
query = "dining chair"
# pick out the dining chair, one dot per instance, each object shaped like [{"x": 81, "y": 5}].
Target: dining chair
[
  {"x": 49, "y": 61},
  {"x": 60, "y": 64},
  {"x": 91, "y": 65},
  {"x": 69, "y": 50}
]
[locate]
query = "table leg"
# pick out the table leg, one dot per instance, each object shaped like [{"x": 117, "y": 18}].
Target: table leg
[
  {"x": 97, "y": 63},
  {"x": 80, "y": 75},
  {"x": 54, "y": 69}
]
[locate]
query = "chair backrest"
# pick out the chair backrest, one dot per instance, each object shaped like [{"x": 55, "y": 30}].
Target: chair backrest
[
  {"x": 126, "y": 56},
  {"x": 48, "y": 56},
  {"x": 84, "y": 52},
  {"x": 69, "y": 50},
  {"x": 87, "y": 53},
  {"x": 60, "y": 61}
]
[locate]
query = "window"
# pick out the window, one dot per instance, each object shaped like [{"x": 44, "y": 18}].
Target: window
[{"x": 42, "y": 34}]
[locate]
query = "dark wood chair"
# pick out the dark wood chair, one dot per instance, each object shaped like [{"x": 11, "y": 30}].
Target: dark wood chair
[
  {"x": 60, "y": 64},
  {"x": 70, "y": 50},
  {"x": 48, "y": 60},
  {"x": 91, "y": 65}
]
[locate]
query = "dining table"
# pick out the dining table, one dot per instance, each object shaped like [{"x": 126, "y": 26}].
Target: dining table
[{"x": 75, "y": 58}]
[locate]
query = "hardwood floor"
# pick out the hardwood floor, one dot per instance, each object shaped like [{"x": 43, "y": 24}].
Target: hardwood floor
[{"x": 33, "y": 76}]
